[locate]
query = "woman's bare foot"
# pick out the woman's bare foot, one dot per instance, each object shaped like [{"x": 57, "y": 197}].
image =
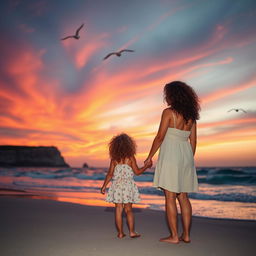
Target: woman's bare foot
[
  {"x": 134, "y": 235},
  {"x": 170, "y": 239},
  {"x": 184, "y": 238},
  {"x": 122, "y": 235}
]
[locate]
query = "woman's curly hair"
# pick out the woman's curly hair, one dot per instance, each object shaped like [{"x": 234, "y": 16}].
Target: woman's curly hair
[
  {"x": 182, "y": 99},
  {"x": 121, "y": 147}
]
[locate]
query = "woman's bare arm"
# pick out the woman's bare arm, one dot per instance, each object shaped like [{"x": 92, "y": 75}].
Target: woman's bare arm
[
  {"x": 193, "y": 138},
  {"x": 165, "y": 120},
  {"x": 108, "y": 177},
  {"x": 135, "y": 167}
]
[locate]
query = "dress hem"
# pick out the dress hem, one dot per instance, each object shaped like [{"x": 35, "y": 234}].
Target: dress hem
[
  {"x": 177, "y": 191},
  {"x": 133, "y": 202}
]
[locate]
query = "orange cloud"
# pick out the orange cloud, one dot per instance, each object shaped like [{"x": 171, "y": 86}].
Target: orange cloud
[
  {"x": 227, "y": 122},
  {"x": 126, "y": 99},
  {"x": 84, "y": 54},
  {"x": 89, "y": 49},
  {"x": 87, "y": 46}
]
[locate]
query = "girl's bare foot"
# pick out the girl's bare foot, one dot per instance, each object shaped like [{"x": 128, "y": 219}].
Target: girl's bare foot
[
  {"x": 170, "y": 239},
  {"x": 134, "y": 235},
  {"x": 122, "y": 235}
]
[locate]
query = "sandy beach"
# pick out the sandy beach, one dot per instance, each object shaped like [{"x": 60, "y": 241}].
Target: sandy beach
[{"x": 44, "y": 227}]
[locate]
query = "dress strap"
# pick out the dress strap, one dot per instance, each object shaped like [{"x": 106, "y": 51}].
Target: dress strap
[{"x": 174, "y": 120}]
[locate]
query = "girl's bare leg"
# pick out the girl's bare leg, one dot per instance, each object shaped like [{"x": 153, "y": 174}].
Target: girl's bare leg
[
  {"x": 186, "y": 212},
  {"x": 171, "y": 212},
  {"x": 130, "y": 219},
  {"x": 119, "y": 220}
]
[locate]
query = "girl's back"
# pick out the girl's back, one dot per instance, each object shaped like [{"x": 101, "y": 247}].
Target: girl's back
[
  {"x": 123, "y": 171},
  {"x": 123, "y": 188}
]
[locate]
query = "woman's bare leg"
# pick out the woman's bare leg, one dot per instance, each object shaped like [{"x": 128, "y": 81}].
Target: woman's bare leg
[
  {"x": 130, "y": 219},
  {"x": 119, "y": 220},
  {"x": 186, "y": 212},
  {"x": 171, "y": 212}
]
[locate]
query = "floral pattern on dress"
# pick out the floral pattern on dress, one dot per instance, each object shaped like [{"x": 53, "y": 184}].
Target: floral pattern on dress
[{"x": 123, "y": 188}]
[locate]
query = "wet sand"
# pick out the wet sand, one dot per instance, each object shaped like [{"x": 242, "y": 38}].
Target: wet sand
[{"x": 43, "y": 227}]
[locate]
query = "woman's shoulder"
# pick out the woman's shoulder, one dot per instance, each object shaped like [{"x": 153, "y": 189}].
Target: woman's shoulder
[{"x": 167, "y": 111}]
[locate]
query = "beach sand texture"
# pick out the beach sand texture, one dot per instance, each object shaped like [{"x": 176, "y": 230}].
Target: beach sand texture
[{"x": 33, "y": 227}]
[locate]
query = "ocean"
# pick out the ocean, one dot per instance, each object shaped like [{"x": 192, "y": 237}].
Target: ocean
[{"x": 224, "y": 192}]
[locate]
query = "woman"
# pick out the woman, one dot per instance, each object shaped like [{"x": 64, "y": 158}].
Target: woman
[{"x": 175, "y": 171}]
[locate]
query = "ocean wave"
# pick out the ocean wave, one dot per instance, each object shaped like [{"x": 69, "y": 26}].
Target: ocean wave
[
  {"x": 202, "y": 171},
  {"x": 212, "y": 176},
  {"x": 27, "y": 185},
  {"x": 228, "y": 172},
  {"x": 144, "y": 178},
  {"x": 236, "y": 196},
  {"x": 228, "y": 180},
  {"x": 59, "y": 175},
  {"x": 87, "y": 177},
  {"x": 226, "y": 197},
  {"x": 38, "y": 175}
]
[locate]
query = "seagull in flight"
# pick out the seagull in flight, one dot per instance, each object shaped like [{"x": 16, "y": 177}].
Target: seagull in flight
[
  {"x": 76, "y": 36},
  {"x": 118, "y": 53},
  {"x": 237, "y": 110}
]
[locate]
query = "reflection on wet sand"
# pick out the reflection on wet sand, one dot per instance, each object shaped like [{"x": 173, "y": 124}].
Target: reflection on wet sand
[{"x": 211, "y": 208}]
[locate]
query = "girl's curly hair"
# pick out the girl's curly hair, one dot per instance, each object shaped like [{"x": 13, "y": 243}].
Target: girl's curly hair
[
  {"x": 182, "y": 99},
  {"x": 121, "y": 147}
]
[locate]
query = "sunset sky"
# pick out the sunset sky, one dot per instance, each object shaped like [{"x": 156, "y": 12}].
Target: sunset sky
[{"x": 61, "y": 93}]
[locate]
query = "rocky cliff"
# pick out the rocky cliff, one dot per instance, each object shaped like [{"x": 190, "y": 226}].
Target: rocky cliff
[{"x": 31, "y": 156}]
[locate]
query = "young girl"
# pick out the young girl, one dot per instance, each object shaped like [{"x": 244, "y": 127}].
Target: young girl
[{"x": 123, "y": 190}]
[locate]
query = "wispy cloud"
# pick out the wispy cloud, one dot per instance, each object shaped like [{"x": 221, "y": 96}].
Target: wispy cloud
[
  {"x": 222, "y": 93},
  {"x": 103, "y": 98},
  {"x": 25, "y": 28},
  {"x": 151, "y": 27}
]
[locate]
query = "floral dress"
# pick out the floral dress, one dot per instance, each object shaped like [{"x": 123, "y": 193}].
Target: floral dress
[{"x": 123, "y": 188}]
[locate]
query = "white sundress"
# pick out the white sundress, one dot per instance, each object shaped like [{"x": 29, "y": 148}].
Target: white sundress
[
  {"x": 175, "y": 169},
  {"x": 123, "y": 188}
]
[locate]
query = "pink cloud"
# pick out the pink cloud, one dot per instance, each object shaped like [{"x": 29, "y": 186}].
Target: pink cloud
[
  {"x": 216, "y": 95},
  {"x": 83, "y": 56},
  {"x": 25, "y": 28},
  {"x": 82, "y": 50}
]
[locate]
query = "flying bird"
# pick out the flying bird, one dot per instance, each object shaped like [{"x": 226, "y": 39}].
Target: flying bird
[
  {"x": 237, "y": 110},
  {"x": 118, "y": 53},
  {"x": 76, "y": 36}
]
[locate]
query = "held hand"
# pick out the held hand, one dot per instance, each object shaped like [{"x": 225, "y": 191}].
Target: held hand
[
  {"x": 102, "y": 190},
  {"x": 149, "y": 164},
  {"x": 148, "y": 161}
]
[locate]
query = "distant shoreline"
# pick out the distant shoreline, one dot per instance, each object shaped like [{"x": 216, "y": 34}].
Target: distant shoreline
[{"x": 31, "y": 156}]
